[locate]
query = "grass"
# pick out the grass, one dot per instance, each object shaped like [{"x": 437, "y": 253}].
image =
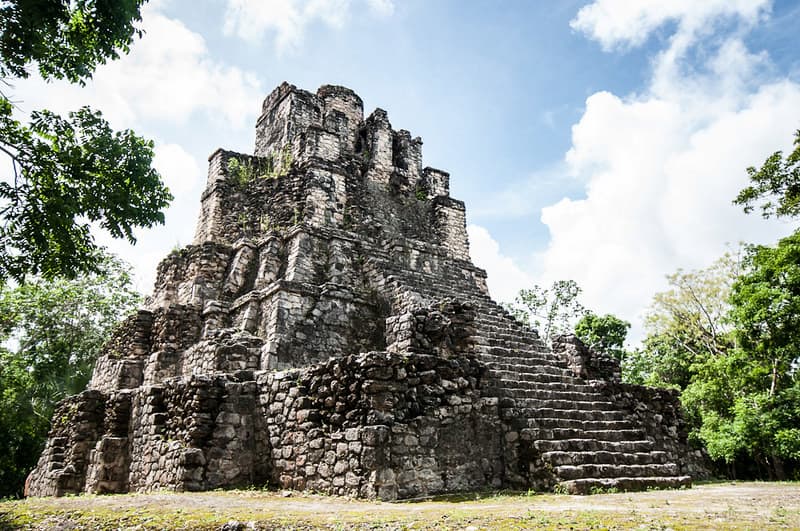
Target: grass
[{"x": 726, "y": 505}]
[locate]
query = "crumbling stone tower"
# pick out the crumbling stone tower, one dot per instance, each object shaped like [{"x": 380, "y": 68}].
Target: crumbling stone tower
[{"x": 327, "y": 330}]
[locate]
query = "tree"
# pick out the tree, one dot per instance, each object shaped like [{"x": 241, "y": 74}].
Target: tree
[
  {"x": 688, "y": 337},
  {"x": 66, "y": 39},
  {"x": 552, "y": 310},
  {"x": 777, "y": 182},
  {"x": 52, "y": 331},
  {"x": 725, "y": 337},
  {"x": 692, "y": 313},
  {"x": 69, "y": 173},
  {"x": 685, "y": 325},
  {"x": 766, "y": 308},
  {"x": 605, "y": 333}
]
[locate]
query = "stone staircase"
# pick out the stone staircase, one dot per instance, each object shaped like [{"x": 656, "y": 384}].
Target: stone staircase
[
  {"x": 576, "y": 431},
  {"x": 580, "y": 433}
]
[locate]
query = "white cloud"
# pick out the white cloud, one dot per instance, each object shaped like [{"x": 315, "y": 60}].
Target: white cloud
[
  {"x": 504, "y": 278},
  {"x": 179, "y": 169},
  {"x": 382, "y": 8},
  {"x": 289, "y": 19},
  {"x": 169, "y": 76},
  {"x": 662, "y": 167},
  {"x": 621, "y": 23}
]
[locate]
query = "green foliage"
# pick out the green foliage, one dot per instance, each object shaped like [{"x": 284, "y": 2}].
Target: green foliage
[
  {"x": 69, "y": 173},
  {"x": 52, "y": 332},
  {"x": 551, "y": 310},
  {"x": 251, "y": 168},
  {"x": 65, "y": 39},
  {"x": 692, "y": 314},
  {"x": 604, "y": 333},
  {"x": 777, "y": 182},
  {"x": 242, "y": 172},
  {"x": 766, "y": 307},
  {"x": 661, "y": 362},
  {"x": 727, "y": 337}
]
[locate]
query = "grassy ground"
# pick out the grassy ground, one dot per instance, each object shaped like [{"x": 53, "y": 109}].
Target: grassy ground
[{"x": 739, "y": 505}]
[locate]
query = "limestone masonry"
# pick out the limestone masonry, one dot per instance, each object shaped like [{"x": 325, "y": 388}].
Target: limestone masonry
[{"x": 327, "y": 330}]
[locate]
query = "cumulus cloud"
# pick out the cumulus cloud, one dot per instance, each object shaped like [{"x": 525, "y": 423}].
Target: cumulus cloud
[
  {"x": 169, "y": 76},
  {"x": 504, "y": 277},
  {"x": 661, "y": 167},
  {"x": 289, "y": 19},
  {"x": 622, "y": 23},
  {"x": 180, "y": 170}
]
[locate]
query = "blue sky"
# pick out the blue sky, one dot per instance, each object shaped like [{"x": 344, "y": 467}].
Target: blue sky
[{"x": 601, "y": 141}]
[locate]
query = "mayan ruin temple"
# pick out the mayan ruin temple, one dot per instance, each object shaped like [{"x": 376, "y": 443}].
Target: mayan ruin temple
[{"x": 326, "y": 330}]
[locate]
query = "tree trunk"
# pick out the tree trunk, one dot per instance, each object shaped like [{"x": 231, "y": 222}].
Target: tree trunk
[{"x": 774, "y": 383}]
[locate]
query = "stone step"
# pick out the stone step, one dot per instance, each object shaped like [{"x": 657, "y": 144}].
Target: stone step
[
  {"x": 525, "y": 348},
  {"x": 506, "y": 333},
  {"x": 567, "y": 472},
  {"x": 532, "y": 361},
  {"x": 506, "y": 355},
  {"x": 530, "y": 407},
  {"x": 521, "y": 408},
  {"x": 592, "y": 445},
  {"x": 486, "y": 318},
  {"x": 487, "y": 333},
  {"x": 545, "y": 378},
  {"x": 559, "y": 458},
  {"x": 572, "y": 433},
  {"x": 524, "y": 391},
  {"x": 526, "y": 371},
  {"x": 561, "y": 386},
  {"x": 579, "y": 424},
  {"x": 520, "y": 360},
  {"x": 578, "y": 414},
  {"x": 598, "y": 485}
]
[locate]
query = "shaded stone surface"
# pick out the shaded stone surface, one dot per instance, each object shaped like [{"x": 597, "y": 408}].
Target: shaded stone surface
[{"x": 327, "y": 330}]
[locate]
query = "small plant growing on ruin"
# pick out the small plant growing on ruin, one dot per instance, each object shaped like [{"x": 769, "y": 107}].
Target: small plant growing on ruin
[
  {"x": 420, "y": 193},
  {"x": 286, "y": 159},
  {"x": 242, "y": 172},
  {"x": 242, "y": 220},
  {"x": 264, "y": 223},
  {"x": 278, "y": 168}
]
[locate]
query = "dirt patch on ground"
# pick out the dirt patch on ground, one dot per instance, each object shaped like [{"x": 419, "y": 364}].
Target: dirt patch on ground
[{"x": 710, "y": 506}]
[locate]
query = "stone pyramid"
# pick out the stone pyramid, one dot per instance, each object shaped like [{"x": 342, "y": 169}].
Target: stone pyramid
[{"x": 327, "y": 330}]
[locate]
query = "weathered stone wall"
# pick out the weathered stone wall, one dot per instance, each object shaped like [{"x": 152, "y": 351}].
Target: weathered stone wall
[
  {"x": 197, "y": 433},
  {"x": 76, "y": 427},
  {"x": 382, "y": 424},
  {"x": 121, "y": 362},
  {"x": 659, "y": 412},
  {"x": 585, "y": 362},
  {"x": 377, "y": 424}
]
